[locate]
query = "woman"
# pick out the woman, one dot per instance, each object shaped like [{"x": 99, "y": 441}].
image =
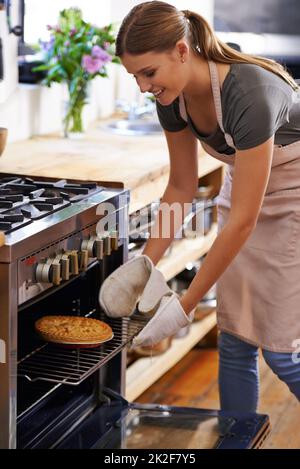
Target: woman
[{"x": 245, "y": 111}]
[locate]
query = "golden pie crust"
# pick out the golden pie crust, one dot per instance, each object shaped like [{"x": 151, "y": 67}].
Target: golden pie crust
[{"x": 73, "y": 330}]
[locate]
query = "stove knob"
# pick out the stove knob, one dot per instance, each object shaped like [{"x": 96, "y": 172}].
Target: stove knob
[
  {"x": 48, "y": 271},
  {"x": 114, "y": 235},
  {"x": 88, "y": 245},
  {"x": 65, "y": 266},
  {"x": 83, "y": 257},
  {"x": 107, "y": 242},
  {"x": 107, "y": 245},
  {"x": 39, "y": 272},
  {"x": 55, "y": 272},
  {"x": 73, "y": 256},
  {"x": 98, "y": 248}
]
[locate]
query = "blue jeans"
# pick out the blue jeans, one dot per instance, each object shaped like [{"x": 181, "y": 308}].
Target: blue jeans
[{"x": 239, "y": 375}]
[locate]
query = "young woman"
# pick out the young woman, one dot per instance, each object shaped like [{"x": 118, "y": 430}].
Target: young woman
[{"x": 245, "y": 111}]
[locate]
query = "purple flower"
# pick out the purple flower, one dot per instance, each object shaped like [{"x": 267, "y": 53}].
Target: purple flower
[
  {"x": 91, "y": 64},
  {"x": 47, "y": 45},
  {"x": 73, "y": 31},
  {"x": 99, "y": 53},
  {"x": 67, "y": 43}
]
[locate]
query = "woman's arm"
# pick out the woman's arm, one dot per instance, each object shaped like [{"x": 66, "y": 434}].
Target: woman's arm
[
  {"x": 180, "y": 191},
  {"x": 251, "y": 175}
]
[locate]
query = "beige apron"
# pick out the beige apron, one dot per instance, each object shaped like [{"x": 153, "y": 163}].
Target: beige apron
[{"x": 258, "y": 296}]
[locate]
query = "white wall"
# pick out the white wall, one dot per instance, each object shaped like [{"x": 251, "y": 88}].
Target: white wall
[
  {"x": 34, "y": 110},
  {"x": 30, "y": 110}
]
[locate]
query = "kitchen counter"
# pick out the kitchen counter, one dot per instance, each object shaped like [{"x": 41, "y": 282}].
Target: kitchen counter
[{"x": 140, "y": 164}]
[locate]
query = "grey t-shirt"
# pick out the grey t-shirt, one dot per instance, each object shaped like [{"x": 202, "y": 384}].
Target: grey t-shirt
[{"x": 256, "y": 104}]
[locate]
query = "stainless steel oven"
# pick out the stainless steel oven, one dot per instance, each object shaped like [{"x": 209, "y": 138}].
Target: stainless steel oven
[{"x": 53, "y": 262}]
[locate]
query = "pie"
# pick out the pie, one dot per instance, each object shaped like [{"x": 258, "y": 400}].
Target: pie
[{"x": 73, "y": 330}]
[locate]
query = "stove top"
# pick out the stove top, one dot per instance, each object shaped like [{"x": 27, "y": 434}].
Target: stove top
[{"x": 23, "y": 200}]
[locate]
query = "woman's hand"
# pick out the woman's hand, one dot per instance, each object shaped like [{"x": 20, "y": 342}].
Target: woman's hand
[
  {"x": 136, "y": 280},
  {"x": 167, "y": 321}
]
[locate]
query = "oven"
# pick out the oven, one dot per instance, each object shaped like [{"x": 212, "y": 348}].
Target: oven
[{"x": 62, "y": 241}]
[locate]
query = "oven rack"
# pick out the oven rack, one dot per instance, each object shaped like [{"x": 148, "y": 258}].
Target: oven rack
[{"x": 56, "y": 364}]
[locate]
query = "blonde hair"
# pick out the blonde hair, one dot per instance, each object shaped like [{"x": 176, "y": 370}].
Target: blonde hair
[{"x": 158, "y": 26}]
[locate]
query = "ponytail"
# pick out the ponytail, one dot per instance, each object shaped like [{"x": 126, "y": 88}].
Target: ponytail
[{"x": 204, "y": 41}]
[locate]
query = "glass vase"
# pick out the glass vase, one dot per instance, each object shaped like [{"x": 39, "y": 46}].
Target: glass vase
[{"x": 73, "y": 121}]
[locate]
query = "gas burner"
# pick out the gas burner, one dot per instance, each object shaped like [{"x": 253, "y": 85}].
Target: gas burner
[
  {"x": 12, "y": 221},
  {"x": 23, "y": 199},
  {"x": 12, "y": 198},
  {"x": 68, "y": 191},
  {"x": 36, "y": 193}
]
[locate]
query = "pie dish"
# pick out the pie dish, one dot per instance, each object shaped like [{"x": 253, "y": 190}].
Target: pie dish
[{"x": 73, "y": 330}]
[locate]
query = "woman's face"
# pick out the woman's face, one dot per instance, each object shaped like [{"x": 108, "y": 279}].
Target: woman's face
[{"x": 162, "y": 74}]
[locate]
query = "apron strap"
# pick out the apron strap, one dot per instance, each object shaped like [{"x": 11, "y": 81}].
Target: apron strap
[
  {"x": 215, "y": 84},
  {"x": 182, "y": 108}
]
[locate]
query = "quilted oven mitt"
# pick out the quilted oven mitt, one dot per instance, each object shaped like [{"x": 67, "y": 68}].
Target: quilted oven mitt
[
  {"x": 167, "y": 321},
  {"x": 136, "y": 280}
]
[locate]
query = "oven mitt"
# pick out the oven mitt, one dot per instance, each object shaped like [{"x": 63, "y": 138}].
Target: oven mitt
[
  {"x": 167, "y": 321},
  {"x": 136, "y": 280}
]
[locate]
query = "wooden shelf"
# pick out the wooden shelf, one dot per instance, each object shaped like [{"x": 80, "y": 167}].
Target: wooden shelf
[
  {"x": 184, "y": 251},
  {"x": 146, "y": 370}
]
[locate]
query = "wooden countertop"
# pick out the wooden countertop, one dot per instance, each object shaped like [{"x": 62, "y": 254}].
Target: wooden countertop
[{"x": 140, "y": 164}]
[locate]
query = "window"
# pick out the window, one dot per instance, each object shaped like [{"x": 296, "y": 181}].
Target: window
[
  {"x": 36, "y": 14},
  {"x": 258, "y": 16}
]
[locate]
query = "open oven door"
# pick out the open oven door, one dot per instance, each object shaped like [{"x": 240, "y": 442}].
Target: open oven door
[{"x": 120, "y": 425}]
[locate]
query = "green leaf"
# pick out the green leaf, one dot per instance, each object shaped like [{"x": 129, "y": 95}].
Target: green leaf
[
  {"x": 56, "y": 72},
  {"x": 41, "y": 68}
]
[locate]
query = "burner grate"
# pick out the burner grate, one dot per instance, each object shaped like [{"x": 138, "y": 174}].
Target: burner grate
[
  {"x": 37, "y": 199},
  {"x": 68, "y": 366}
]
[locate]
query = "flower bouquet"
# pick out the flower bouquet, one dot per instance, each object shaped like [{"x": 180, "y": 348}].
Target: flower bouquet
[{"x": 76, "y": 53}]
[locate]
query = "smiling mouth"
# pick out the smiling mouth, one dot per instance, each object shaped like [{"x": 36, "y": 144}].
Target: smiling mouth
[{"x": 158, "y": 93}]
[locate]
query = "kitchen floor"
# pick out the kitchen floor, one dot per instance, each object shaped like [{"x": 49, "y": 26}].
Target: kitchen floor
[{"x": 193, "y": 382}]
